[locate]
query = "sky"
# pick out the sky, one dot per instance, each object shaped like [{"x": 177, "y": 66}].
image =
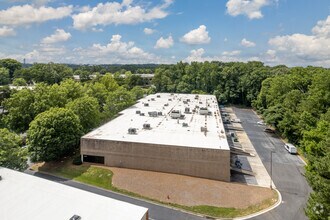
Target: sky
[{"x": 276, "y": 32}]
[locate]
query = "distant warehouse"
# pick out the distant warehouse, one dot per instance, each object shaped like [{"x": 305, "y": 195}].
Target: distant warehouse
[{"x": 173, "y": 133}]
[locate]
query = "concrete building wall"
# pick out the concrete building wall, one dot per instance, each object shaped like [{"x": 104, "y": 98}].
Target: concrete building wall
[{"x": 192, "y": 161}]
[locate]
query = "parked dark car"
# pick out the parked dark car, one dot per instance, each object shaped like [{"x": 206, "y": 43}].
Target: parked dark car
[{"x": 269, "y": 130}]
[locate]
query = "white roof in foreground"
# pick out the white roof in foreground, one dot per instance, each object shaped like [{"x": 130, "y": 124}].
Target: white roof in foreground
[
  {"x": 24, "y": 196},
  {"x": 165, "y": 130}
]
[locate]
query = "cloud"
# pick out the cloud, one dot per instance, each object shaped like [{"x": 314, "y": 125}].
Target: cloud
[
  {"x": 246, "y": 43},
  {"x": 249, "y": 8},
  {"x": 227, "y": 56},
  {"x": 116, "y": 13},
  {"x": 302, "y": 49},
  {"x": 231, "y": 53},
  {"x": 7, "y": 31},
  {"x": 28, "y": 14},
  {"x": 116, "y": 51},
  {"x": 148, "y": 31},
  {"x": 197, "y": 36},
  {"x": 164, "y": 42},
  {"x": 59, "y": 36}
]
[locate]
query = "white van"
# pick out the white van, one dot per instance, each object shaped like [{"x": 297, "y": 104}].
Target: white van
[{"x": 290, "y": 148}]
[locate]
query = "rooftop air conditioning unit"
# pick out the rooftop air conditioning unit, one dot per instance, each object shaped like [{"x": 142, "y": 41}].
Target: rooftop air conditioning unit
[
  {"x": 146, "y": 126},
  {"x": 138, "y": 112},
  {"x": 146, "y": 104},
  {"x": 158, "y": 96},
  {"x": 141, "y": 114},
  {"x": 132, "y": 131},
  {"x": 160, "y": 113},
  {"x": 203, "y": 129},
  {"x": 184, "y": 124},
  {"x": 152, "y": 99},
  {"x": 153, "y": 114}
]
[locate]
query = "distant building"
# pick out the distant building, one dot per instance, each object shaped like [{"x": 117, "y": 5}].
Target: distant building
[
  {"x": 24, "y": 196},
  {"x": 173, "y": 133}
]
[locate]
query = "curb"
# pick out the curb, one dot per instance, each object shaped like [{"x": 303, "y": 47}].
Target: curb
[{"x": 279, "y": 201}]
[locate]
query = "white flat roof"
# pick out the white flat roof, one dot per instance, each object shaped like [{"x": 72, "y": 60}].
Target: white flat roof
[
  {"x": 165, "y": 130},
  {"x": 24, "y": 196}
]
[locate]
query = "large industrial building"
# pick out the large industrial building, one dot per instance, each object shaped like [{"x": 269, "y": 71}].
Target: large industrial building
[
  {"x": 23, "y": 196},
  {"x": 172, "y": 133}
]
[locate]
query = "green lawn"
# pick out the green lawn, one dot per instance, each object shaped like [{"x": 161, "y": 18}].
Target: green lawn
[{"x": 102, "y": 178}]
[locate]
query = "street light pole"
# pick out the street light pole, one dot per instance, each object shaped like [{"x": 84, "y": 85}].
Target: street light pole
[{"x": 271, "y": 169}]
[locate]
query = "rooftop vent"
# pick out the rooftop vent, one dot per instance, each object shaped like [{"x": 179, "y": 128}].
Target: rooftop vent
[
  {"x": 132, "y": 131},
  {"x": 166, "y": 104},
  {"x": 75, "y": 217}
]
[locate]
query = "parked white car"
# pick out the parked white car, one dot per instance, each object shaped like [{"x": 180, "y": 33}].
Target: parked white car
[
  {"x": 261, "y": 123},
  {"x": 290, "y": 148}
]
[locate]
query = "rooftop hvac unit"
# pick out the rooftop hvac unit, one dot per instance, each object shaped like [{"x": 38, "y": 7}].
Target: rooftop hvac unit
[
  {"x": 160, "y": 113},
  {"x": 188, "y": 100},
  {"x": 141, "y": 114},
  {"x": 166, "y": 104},
  {"x": 152, "y": 99},
  {"x": 132, "y": 131},
  {"x": 175, "y": 114},
  {"x": 146, "y": 126},
  {"x": 185, "y": 102},
  {"x": 184, "y": 124},
  {"x": 146, "y": 104},
  {"x": 203, "y": 111},
  {"x": 153, "y": 114},
  {"x": 158, "y": 96},
  {"x": 138, "y": 112},
  {"x": 75, "y": 217},
  {"x": 196, "y": 96},
  {"x": 169, "y": 99},
  {"x": 203, "y": 129},
  {"x": 187, "y": 110}
]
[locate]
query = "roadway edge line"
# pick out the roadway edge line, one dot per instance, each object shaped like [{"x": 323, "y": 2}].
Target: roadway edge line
[{"x": 279, "y": 201}]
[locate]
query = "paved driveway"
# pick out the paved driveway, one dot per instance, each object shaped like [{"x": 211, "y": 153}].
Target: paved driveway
[{"x": 287, "y": 169}]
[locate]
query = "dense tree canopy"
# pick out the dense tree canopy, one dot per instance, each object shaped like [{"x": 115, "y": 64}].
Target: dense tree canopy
[
  {"x": 88, "y": 111},
  {"x": 10, "y": 64},
  {"x": 54, "y": 134},
  {"x": 4, "y": 76},
  {"x": 12, "y": 155}
]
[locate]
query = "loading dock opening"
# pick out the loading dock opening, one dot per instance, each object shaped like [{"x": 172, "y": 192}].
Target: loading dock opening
[{"x": 93, "y": 159}]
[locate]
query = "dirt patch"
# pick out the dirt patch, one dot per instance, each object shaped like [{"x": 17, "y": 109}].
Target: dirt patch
[{"x": 189, "y": 191}]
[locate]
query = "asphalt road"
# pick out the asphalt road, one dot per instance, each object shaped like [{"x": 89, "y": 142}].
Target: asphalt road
[
  {"x": 156, "y": 212},
  {"x": 287, "y": 169}
]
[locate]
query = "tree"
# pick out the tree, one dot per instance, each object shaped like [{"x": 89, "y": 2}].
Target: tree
[
  {"x": 109, "y": 82},
  {"x": 118, "y": 101},
  {"x": 4, "y": 76},
  {"x": 88, "y": 111},
  {"x": 12, "y": 154},
  {"x": 19, "y": 82},
  {"x": 137, "y": 92},
  {"x": 20, "y": 110},
  {"x": 53, "y": 134},
  {"x": 12, "y": 65}
]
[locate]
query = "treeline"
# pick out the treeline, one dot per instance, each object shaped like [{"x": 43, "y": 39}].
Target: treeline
[
  {"x": 54, "y": 116},
  {"x": 235, "y": 82},
  {"x": 295, "y": 101}
]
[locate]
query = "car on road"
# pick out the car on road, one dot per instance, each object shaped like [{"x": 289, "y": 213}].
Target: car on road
[
  {"x": 290, "y": 148},
  {"x": 261, "y": 123},
  {"x": 269, "y": 130}
]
